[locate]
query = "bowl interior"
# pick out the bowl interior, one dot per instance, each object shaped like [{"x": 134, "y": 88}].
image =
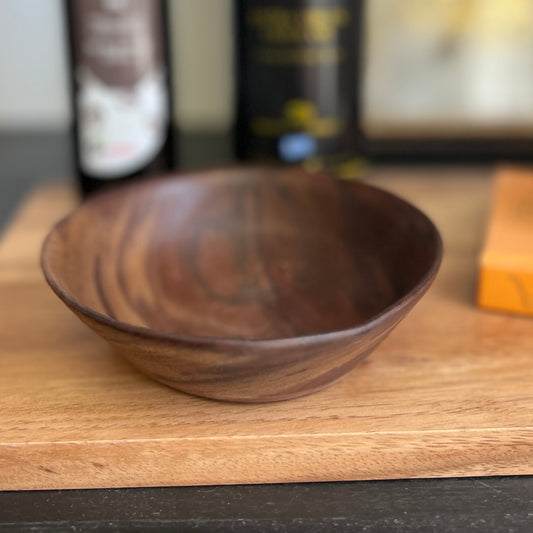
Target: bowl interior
[{"x": 242, "y": 253}]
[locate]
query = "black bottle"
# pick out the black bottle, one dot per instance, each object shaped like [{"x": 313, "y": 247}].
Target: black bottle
[
  {"x": 296, "y": 79},
  {"x": 121, "y": 93}
]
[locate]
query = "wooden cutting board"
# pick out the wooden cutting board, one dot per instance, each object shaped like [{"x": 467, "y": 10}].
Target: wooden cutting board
[{"x": 449, "y": 393}]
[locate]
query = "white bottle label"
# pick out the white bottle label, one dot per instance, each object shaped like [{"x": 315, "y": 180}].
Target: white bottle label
[{"x": 122, "y": 101}]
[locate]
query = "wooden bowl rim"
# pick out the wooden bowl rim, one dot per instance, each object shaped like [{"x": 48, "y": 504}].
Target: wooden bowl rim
[{"x": 144, "y": 332}]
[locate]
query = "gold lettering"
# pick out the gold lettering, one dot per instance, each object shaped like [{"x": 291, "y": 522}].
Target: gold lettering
[
  {"x": 321, "y": 128},
  {"x": 299, "y": 56},
  {"x": 278, "y": 25}
]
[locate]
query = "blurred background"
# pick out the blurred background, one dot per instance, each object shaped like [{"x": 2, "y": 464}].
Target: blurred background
[
  {"x": 33, "y": 64},
  {"x": 444, "y": 67},
  {"x": 448, "y": 68}
]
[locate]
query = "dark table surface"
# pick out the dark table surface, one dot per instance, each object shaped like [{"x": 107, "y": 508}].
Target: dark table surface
[{"x": 470, "y": 504}]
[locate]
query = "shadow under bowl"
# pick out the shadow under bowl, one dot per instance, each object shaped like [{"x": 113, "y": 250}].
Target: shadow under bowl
[{"x": 244, "y": 284}]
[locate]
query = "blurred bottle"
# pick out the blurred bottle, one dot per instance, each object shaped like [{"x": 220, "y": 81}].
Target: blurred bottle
[
  {"x": 121, "y": 95},
  {"x": 297, "y": 79}
]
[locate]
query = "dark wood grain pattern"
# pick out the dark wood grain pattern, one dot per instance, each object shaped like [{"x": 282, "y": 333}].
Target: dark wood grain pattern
[{"x": 250, "y": 284}]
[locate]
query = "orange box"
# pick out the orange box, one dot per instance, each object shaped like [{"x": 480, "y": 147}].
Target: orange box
[{"x": 506, "y": 265}]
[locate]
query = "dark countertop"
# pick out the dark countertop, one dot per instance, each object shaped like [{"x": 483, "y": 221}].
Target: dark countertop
[{"x": 471, "y": 504}]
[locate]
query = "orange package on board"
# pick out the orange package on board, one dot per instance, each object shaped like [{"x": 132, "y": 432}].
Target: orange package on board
[{"x": 506, "y": 266}]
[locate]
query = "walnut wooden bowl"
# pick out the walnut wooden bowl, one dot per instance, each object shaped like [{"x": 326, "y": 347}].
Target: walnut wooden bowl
[{"x": 250, "y": 284}]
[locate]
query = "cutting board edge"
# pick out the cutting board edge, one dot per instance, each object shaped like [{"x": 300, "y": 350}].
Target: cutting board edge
[{"x": 320, "y": 458}]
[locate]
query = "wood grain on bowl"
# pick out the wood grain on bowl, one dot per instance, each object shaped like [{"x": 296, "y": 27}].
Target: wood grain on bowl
[{"x": 250, "y": 284}]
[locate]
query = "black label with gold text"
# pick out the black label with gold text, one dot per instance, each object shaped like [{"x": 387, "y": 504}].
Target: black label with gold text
[{"x": 297, "y": 62}]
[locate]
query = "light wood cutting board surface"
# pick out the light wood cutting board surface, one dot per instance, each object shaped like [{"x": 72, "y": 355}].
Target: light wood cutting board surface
[{"x": 449, "y": 393}]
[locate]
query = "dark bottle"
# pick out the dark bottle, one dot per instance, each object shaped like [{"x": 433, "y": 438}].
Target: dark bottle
[
  {"x": 297, "y": 79},
  {"x": 121, "y": 94}
]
